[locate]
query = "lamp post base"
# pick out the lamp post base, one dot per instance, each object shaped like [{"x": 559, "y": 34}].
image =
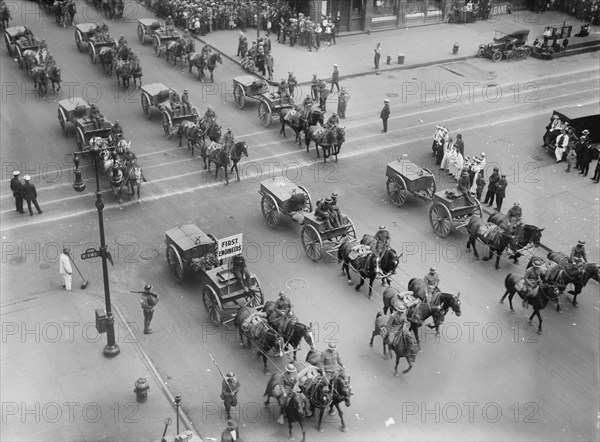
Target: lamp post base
[{"x": 111, "y": 351}]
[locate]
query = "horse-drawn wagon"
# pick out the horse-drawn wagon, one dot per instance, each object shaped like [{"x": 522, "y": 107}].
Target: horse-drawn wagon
[
  {"x": 404, "y": 177},
  {"x": 77, "y": 111},
  {"x": 71, "y": 109},
  {"x": 154, "y": 95},
  {"x": 451, "y": 211},
  {"x": 280, "y": 196},
  {"x": 188, "y": 247},
  {"x": 171, "y": 118},
  {"x": 23, "y": 44},
  {"x": 11, "y": 35},
  {"x": 249, "y": 87},
  {"x": 88, "y": 33},
  {"x": 161, "y": 39},
  {"x": 315, "y": 235}
]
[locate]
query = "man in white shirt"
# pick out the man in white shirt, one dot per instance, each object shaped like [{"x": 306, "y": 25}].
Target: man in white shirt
[
  {"x": 562, "y": 142},
  {"x": 65, "y": 268}
]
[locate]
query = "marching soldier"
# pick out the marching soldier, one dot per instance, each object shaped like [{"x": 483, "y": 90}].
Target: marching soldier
[
  {"x": 231, "y": 433},
  {"x": 578, "y": 254},
  {"x": 533, "y": 277},
  {"x": 185, "y": 102},
  {"x": 343, "y": 98},
  {"x": 230, "y": 387},
  {"x": 292, "y": 82},
  {"x": 323, "y": 94},
  {"x": 240, "y": 271},
  {"x": 331, "y": 363},
  {"x": 148, "y": 302},
  {"x": 382, "y": 240}
]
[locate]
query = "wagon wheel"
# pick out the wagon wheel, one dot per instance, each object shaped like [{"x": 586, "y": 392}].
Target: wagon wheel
[
  {"x": 350, "y": 230},
  {"x": 175, "y": 263},
  {"x": 396, "y": 189},
  {"x": 510, "y": 56},
  {"x": 481, "y": 52},
  {"x": 265, "y": 114},
  {"x": 167, "y": 124},
  {"x": 239, "y": 95},
  {"x": 212, "y": 304},
  {"x": 307, "y": 201},
  {"x": 156, "y": 45},
  {"x": 141, "y": 33},
  {"x": 312, "y": 243},
  {"x": 270, "y": 210},
  {"x": 8, "y": 46},
  {"x": 146, "y": 105},
  {"x": 92, "y": 51},
  {"x": 496, "y": 56},
  {"x": 78, "y": 40},
  {"x": 19, "y": 57},
  {"x": 509, "y": 47},
  {"x": 258, "y": 297},
  {"x": 440, "y": 219},
  {"x": 62, "y": 119},
  {"x": 80, "y": 138},
  {"x": 526, "y": 52}
]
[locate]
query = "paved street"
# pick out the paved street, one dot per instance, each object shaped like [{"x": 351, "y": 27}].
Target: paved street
[{"x": 488, "y": 377}]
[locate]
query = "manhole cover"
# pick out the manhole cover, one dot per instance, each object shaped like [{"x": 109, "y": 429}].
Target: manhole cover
[
  {"x": 124, "y": 240},
  {"x": 503, "y": 141},
  {"x": 392, "y": 95},
  {"x": 296, "y": 284},
  {"x": 44, "y": 266},
  {"x": 149, "y": 253}
]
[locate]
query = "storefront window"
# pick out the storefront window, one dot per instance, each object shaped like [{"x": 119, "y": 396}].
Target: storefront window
[
  {"x": 384, "y": 7},
  {"x": 357, "y": 7},
  {"x": 415, "y": 7}
]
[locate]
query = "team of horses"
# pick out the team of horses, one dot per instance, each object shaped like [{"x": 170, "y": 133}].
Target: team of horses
[
  {"x": 42, "y": 72},
  {"x": 124, "y": 63}
]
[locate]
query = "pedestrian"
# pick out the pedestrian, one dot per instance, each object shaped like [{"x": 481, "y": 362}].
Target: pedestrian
[
  {"x": 588, "y": 155},
  {"x": 377, "y": 55},
  {"x": 318, "y": 32},
  {"x": 565, "y": 43},
  {"x": 571, "y": 158},
  {"x": 231, "y": 433},
  {"x": 292, "y": 82},
  {"x": 459, "y": 145},
  {"x": 64, "y": 268},
  {"x": 17, "y": 190},
  {"x": 501, "y": 186},
  {"x": 314, "y": 88},
  {"x": 562, "y": 141},
  {"x": 335, "y": 78},
  {"x": 596, "y": 177},
  {"x": 148, "y": 302},
  {"x": 229, "y": 390},
  {"x": 480, "y": 183},
  {"x": 385, "y": 114},
  {"x": 269, "y": 62},
  {"x": 581, "y": 146},
  {"x": 267, "y": 45},
  {"x": 323, "y": 94},
  {"x": 491, "y": 192},
  {"x": 343, "y": 98},
  {"x": 30, "y": 195}
]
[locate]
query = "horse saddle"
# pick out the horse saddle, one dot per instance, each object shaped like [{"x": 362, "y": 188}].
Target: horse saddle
[
  {"x": 486, "y": 229},
  {"x": 520, "y": 285},
  {"x": 213, "y": 147},
  {"x": 291, "y": 115},
  {"x": 358, "y": 251}
]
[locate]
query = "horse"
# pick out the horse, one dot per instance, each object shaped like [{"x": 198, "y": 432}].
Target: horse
[
  {"x": 5, "y": 16},
  {"x": 30, "y": 60},
  {"x": 318, "y": 392},
  {"x": 525, "y": 235},
  {"x": 297, "y": 123},
  {"x": 123, "y": 71},
  {"x": 261, "y": 333},
  {"x": 445, "y": 302},
  {"x": 239, "y": 149},
  {"x": 210, "y": 129},
  {"x": 367, "y": 265},
  {"x": 191, "y": 131},
  {"x": 566, "y": 273},
  {"x": 107, "y": 58},
  {"x": 495, "y": 238},
  {"x": 217, "y": 154},
  {"x": 40, "y": 79},
  {"x": 117, "y": 181},
  {"x": 388, "y": 261},
  {"x": 328, "y": 139},
  {"x": 180, "y": 49},
  {"x": 294, "y": 409},
  {"x": 543, "y": 293},
  {"x": 402, "y": 347},
  {"x": 201, "y": 62},
  {"x": 133, "y": 179},
  {"x": 53, "y": 74},
  {"x": 339, "y": 386},
  {"x": 293, "y": 333},
  {"x": 136, "y": 71}
]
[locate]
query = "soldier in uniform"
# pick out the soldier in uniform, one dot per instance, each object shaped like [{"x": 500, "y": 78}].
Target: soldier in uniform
[
  {"x": 175, "y": 101},
  {"x": 333, "y": 120},
  {"x": 290, "y": 384},
  {"x": 210, "y": 116},
  {"x": 169, "y": 25},
  {"x": 116, "y": 132},
  {"x": 533, "y": 277},
  {"x": 292, "y": 82},
  {"x": 282, "y": 88},
  {"x": 432, "y": 279},
  {"x": 283, "y": 304},
  {"x": 314, "y": 88},
  {"x": 578, "y": 254},
  {"x": 240, "y": 271},
  {"x": 306, "y": 106},
  {"x": 121, "y": 44},
  {"x": 103, "y": 32},
  {"x": 185, "y": 102},
  {"x": 96, "y": 117},
  {"x": 228, "y": 140},
  {"x": 323, "y": 212},
  {"x": 323, "y": 94},
  {"x": 382, "y": 240},
  {"x": 148, "y": 302},
  {"x": 463, "y": 187},
  {"x": 396, "y": 322},
  {"x": 336, "y": 214},
  {"x": 229, "y": 390},
  {"x": 343, "y": 98},
  {"x": 514, "y": 216},
  {"x": 331, "y": 363}
]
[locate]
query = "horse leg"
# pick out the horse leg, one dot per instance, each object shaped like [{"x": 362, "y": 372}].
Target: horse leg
[
  {"x": 282, "y": 130},
  {"x": 536, "y": 313},
  {"x": 372, "y": 337},
  {"x": 397, "y": 362},
  {"x": 510, "y": 298},
  {"x": 371, "y": 281},
  {"x": 226, "y": 172},
  {"x": 409, "y": 365},
  {"x": 212, "y": 80},
  {"x": 498, "y": 253},
  {"x": 360, "y": 284},
  {"x": 265, "y": 369},
  {"x": 504, "y": 297},
  {"x": 139, "y": 188},
  {"x": 320, "y": 422}
]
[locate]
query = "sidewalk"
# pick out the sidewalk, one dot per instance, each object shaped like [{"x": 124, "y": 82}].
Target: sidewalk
[
  {"x": 421, "y": 46},
  {"x": 58, "y": 386}
]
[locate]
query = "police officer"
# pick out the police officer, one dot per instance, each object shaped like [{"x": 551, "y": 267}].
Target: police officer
[
  {"x": 17, "y": 189},
  {"x": 230, "y": 387},
  {"x": 533, "y": 277},
  {"x": 331, "y": 363},
  {"x": 385, "y": 114},
  {"x": 240, "y": 271},
  {"x": 148, "y": 302},
  {"x": 185, "y": 102},
  {"x": 382, "y": 240},
  {"x": 578, "y": 254}
]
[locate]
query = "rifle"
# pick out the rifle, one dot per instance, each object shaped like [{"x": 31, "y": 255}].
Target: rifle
[
  {"x": 144, "y": 293},
  {"x": 217, "y": 365}
]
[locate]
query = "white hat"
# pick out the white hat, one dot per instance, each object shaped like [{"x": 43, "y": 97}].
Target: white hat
[
  {"x": 482, "y": 154},
  {"x": 386, "y": 101},
  {"x": 27, "y": 177},
  {"x": 335, "y": 65},
  {"x": 16, "y": 173}
]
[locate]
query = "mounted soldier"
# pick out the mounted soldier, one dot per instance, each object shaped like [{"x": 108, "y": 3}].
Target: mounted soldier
[
  {"x": 532, "y": 280},
  {"x": 432, "y": 280},
  {"x": 290, "y": 384},
  {"x": 578, "y": 255},
  {"x": 514, "y": 217},
  {"x": 382, "y": 241},
  {"x": 210, "y": 116},
  {"x": 333, "y": 120},
  {"x": 331, "y": 363}
]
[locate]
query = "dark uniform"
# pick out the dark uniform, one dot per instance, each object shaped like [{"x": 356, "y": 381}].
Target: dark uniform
[
  {"x": 283, "y": 304},
  {"x": 231, "y": 433},
  {"x": 385, "y": 114},
  {"x": 491, "y": 192},
  {"x": 96, "y": 117},
  {"x": 175, "y": 102},
  {"x": 331, "y": 363},
  {"x": 323, "y": 212},
  {"x": 17, "y": 189},
  {"x": 533, "y": 277},
  {"x": 30, "y": 195},
  {"x": 343, "y": 98},
  {"x": 463, "y": 187},
  {"x": 395, "y": 324},
  {"x": 501, "y": 186},
  {"x": 578, "y": 254},
  {"x": 148, "y": 302},
  {"x": 240, "y": 271},
  {"x": 382, "y": 240},
  {"x": 323, "y": 94},
  {"x": 229, "y": 390},
  {"x": 336, "y": 213},
  {"x": 116, "y": 132},
  {"x": 292, "y": 82}
]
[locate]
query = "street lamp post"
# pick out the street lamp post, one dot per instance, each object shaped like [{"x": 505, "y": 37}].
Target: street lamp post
[
  {"x": 111, "y": 349},
  {"x": 257, "y": 30}
]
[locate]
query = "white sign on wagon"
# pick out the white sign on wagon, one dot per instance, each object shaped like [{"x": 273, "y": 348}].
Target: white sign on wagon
[{"x": 230, "y": 246}]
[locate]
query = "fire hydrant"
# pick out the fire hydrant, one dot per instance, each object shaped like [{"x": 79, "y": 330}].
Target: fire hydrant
[
  {"x": 141, "y": 389},
  {"x": 389, "y": 59},
  {"x": 455, "y": 49}
]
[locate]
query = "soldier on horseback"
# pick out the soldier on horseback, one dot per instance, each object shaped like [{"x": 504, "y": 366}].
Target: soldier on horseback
[
  {"x": 533, "y": 278},
  {"x": 514, "y": 217},
  {"x": 228, "y": 140},
  {"x": 578, "y": 255},
  {"x": 382, "y": 241},
  {"x": 331, "y": 364},
  {"x": 185, "y": 102},
  {"x": 240, "y": 271},
  {"x": 283, "y": 307},
  {"x": 332, "y": 121},
  {"x": 396, "y": 322},
  {"x": 210, "y": 116},
  {"x": 290, "y": 384},
  {"x": 230, "y": 387}
]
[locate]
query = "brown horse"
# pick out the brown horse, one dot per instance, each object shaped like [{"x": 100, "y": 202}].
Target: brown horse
[
  {"x": 403, "y": 346},
  {"x": 293, "y": 406},
  {"x": 40, "y": 79},
  {"x": 330, "y": 140}
]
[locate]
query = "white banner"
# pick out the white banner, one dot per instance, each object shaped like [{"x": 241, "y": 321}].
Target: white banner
[{"x": 232, "y": 245}]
